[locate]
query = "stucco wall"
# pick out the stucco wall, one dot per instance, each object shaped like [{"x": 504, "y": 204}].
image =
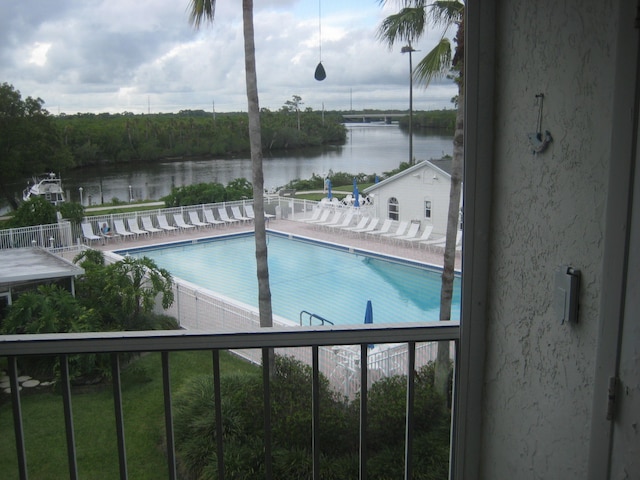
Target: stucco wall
[{"x": 547, "y": 210}]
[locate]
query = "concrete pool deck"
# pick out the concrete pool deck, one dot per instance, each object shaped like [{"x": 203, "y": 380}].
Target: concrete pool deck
[{"x": 383, "y": 246}]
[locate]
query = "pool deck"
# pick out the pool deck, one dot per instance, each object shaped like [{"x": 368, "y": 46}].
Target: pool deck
[{"x": 383, "y": 246}]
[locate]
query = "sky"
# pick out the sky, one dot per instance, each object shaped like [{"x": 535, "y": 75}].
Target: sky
[{"x": 143, "y": 56}]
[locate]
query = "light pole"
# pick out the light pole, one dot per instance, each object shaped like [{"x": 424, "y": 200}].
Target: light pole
[
  {"x": 80, "y": 190},
  {"x": 130, "y": 195},
  {"x": 409, "y": 49}
]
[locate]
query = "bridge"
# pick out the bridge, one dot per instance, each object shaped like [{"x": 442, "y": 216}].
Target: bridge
[{"x": 368, "y": 117}]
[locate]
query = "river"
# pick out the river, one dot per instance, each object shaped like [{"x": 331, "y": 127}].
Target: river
[{"x": 369, "y": 149}]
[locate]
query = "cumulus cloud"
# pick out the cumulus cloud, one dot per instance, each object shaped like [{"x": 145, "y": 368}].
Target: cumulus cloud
[{"x": 118, "y": 55}]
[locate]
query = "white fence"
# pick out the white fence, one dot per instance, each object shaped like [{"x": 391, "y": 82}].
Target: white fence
[{"x": 199, "y": 309}]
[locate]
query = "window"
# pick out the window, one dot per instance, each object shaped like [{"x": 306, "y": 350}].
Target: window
[
  {"x": 394, "y": 209},
  {"x": 427, "y": 209}
]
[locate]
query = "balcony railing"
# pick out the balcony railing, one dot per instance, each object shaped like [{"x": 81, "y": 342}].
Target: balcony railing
[{"x": 14, "y": 347}]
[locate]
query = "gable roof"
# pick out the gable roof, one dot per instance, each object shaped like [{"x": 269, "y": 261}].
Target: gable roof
[{"x": 442, "y": 166}]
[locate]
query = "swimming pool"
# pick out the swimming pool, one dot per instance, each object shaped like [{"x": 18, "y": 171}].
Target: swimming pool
[{"x": 327, "y": 280}]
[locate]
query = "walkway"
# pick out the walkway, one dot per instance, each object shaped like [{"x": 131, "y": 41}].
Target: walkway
[{"x": 386, "y": 247}]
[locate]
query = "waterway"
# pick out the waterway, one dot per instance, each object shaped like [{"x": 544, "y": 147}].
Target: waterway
[{"x": 370, "y": 149}]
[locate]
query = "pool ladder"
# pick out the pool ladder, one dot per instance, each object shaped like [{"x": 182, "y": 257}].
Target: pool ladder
[{"x": 323, "y": 321}]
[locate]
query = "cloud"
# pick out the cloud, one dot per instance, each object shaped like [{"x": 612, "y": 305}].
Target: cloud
[{"x": 117, "y": 55}]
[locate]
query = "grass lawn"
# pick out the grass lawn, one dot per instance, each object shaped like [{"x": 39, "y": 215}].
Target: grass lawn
[{"x": 93, "y": 416}]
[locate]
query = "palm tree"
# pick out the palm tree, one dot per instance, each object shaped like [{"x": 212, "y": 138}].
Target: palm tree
[
  {"x": 204, "y": 10},
  {"x": 408, "y": 25}
]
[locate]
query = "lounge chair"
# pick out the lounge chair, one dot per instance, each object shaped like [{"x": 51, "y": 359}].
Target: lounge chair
[
  {"x": 180, "y": 223},
  {"x": 211, "y": 219},
  {"x": 426, "y": 233},
  {"x": 386, "y": 226},
  {"x": 324, "y": 215},
  {"x": 441, "y": 242},
  {"x": 401, "y": 230},
  {"x": 235, "y": 211},
  {"x": 222, "y": 211},
  {"x": 315, "y": 214},
  {"x": 134, "y": 228},
  {"x": 363, "y": 221},
  {"x": 346, "y": 221},
  {"x": 249, "y": 212},
  {"x": 120, "y": 229},
  {"x": 411, "y": 233},
  {"x": 164, "y": 225},
  {"x": 147, "y": 224},
  {"x": 87, "y": 233},
  {"x": 369, "y": 228},
  {"x": 195, "y": 219},
  {"x": 335, "y": 219}
]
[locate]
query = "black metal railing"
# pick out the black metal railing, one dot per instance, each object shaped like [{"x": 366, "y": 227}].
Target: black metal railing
[{"x": 14, "y": 347}]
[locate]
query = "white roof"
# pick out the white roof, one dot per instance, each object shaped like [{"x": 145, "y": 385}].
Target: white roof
[{"x": 27, "y": 264}]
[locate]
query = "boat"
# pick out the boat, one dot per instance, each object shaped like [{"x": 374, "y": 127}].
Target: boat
[{"x": 48, "y": 186}]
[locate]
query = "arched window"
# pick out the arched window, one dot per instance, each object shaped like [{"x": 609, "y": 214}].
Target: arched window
[{"x": 394, "y": 209}]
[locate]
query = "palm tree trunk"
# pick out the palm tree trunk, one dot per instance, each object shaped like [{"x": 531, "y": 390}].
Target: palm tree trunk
[
  {"x": 255, "y": 140},
  {"x": 443, "y": 362}
]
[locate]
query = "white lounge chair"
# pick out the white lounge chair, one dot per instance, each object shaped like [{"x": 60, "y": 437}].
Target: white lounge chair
[
  {"x": 335, "y": 219},
  {"x": 401, "y": 230},
  {"x": 322, "y": 218},
  {"x": 195, "y": 219},
  {"x": 235, "y": 211},
  {"x": 211, "y": 219},
  {"x": 346, "y": 221},
  {"x": 411, "y": 233},
  {"x": 120, "y": 229},
  {"x": 369, "y": 228},
  {"x": 426, "y": 233},
  {"x": 134, "y": 228},
  {"x": 249, "y": 212},
  {"x": 164, "y": 225},
  {"x": 180, "y": 223},
  {"x": 222, "y": 211},
  {"x": 315, "y": 215},
  {"x": 87, "y": 233},
  {"x": 386, "y": 226},
  {"x": 363, "y": 221},
  {"x": 147, "y": 224}
]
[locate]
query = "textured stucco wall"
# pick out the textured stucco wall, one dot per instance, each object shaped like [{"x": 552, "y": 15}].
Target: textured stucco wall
[{"x": 547, "y": 210}]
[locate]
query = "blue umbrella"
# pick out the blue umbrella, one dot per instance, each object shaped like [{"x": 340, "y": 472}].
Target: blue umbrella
[
  {"x": 368, "y": 316},
  {"x": 329, "y": 194},
  {"x": 356, "y": 194}
]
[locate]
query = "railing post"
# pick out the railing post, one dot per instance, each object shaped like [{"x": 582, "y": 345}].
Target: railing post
[
  {"x": 408, "y": 443},
  {"x": 266, "y": 386},
  {"x": 168, "y": 416},
  {"x": 217, "y": 398},
  {"x": 364, "y": 381},
  {"x": 315, "y": 422},
  {"x": 68, "y": 417},
  {"x": 117, "y": 404},
  {"x": 17, "y": 417}
]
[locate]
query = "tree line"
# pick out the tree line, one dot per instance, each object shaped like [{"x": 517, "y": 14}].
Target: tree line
[{"x": 127, "y": 137}]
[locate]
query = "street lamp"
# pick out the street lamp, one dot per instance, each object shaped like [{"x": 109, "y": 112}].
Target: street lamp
[
  {"x": 409, "y": 49},
  {"x": 130, "y": 195},
  {"x": 80, "y": 189}
]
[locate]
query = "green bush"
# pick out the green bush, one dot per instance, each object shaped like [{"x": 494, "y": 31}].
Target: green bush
[
  {"x": 291, "y": 410},
  {"x": 35, "y": 211}
]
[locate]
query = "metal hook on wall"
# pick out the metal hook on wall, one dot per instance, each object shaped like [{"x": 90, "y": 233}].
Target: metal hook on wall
[{"x": 540, "y": 140}]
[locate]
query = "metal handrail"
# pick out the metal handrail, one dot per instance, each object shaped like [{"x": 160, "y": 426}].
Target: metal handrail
[{"x": 312, "y": 316}]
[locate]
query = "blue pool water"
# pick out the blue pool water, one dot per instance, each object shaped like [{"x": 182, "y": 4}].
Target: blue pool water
[{"x": 327, "y": 281}]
